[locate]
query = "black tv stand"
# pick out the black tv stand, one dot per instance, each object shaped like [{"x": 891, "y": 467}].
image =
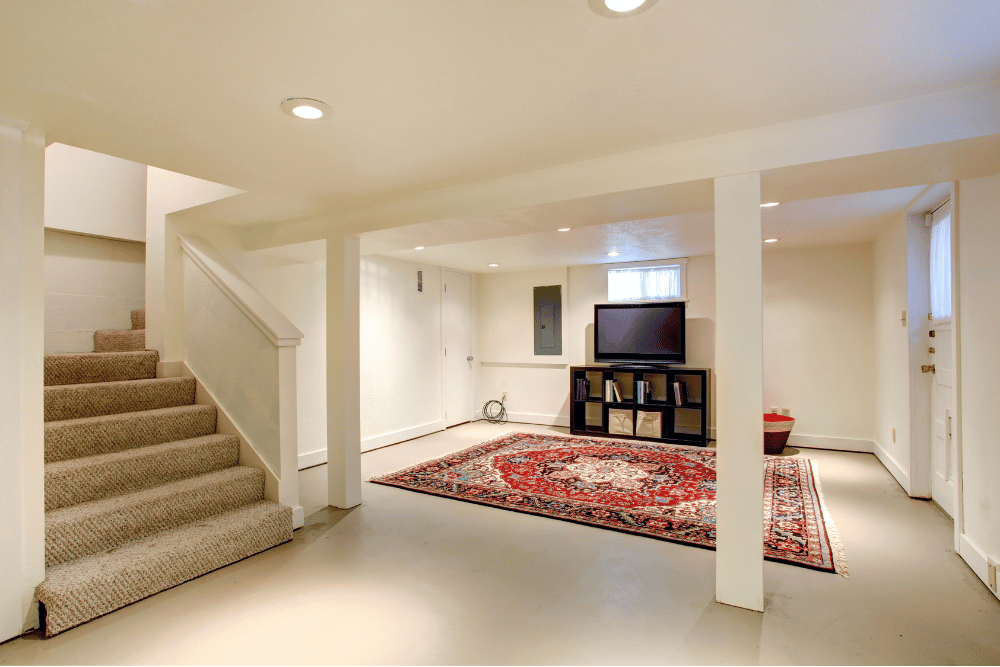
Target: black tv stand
[{"x": 685, "y": 424}]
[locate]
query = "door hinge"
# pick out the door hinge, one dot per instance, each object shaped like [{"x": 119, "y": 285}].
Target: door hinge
[
  {"x": 928, "y": 369},
  {"x": 446, "y": 352},
  {"x": 931, "y": 350},
  {"x": 446, "y": 287}
]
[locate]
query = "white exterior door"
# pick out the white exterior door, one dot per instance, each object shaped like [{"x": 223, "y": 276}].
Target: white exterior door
[
  {"x": 944, "y": 454},
  {"x": 456, "y": 315}
]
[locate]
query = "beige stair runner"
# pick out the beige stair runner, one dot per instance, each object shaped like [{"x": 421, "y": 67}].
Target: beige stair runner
[{"x": 141, "y": 493}]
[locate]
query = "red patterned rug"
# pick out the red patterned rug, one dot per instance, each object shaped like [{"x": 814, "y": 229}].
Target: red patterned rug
[{"x": 661, "y": 491}]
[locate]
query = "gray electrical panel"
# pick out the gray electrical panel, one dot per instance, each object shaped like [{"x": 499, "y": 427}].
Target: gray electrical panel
[{"x": 548, "y": 320}]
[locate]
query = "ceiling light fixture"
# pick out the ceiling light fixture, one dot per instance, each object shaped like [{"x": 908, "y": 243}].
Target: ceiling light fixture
[
  {"x": 613, "y": 253},
  {"x": 494, "y": 265},
  {"x": 770, "y": 204},
  {"x": 617, "y": 9},
  {"x": 771, "y": 240},
  {"x": 419, "y": 247},
  {"x": 306, "y": 109},
  {"x": 564, "y": 229}
]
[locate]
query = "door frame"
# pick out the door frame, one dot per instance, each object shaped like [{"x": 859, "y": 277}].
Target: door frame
[{"x": 473, "y": 331}]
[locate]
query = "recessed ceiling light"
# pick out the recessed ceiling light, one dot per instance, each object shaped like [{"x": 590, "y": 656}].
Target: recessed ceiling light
[
  {"x": 617, "y": 9},
  {"x": 494, "y": 265},
  {"x": 564, "y": 229},
  {"x": 419, "y": 247},
  {"x": 613, "y": 253},
  {"x": 770, "y": 204},
  {"x": 305, "y": 108},
  {"x": 771, "y": 240},
  {"x": 623, "y": 5}
]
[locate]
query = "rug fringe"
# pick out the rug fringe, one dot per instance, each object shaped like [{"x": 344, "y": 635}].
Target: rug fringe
[{"x": 836, "y": 546}]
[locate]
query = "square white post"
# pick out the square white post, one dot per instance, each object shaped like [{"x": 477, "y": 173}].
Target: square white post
[
  {"x": 739, "y": 343},
  {"x": 22, "y": 336},
  {"x": 343, "y": 371}
]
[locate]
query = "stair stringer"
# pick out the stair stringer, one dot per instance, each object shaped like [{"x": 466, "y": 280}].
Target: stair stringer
[{"x": 286, "y": 493}]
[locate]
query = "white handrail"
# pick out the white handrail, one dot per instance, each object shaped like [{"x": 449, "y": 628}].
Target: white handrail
[{"x": 255, "y": 305}]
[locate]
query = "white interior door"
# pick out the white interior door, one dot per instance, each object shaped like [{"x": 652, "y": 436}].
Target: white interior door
[
  {"x": 944, "y": 456},
  {"x": 456, "y": 315}
]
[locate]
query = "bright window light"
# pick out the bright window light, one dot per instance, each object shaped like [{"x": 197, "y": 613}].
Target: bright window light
[{"x": 650, "y": 283}]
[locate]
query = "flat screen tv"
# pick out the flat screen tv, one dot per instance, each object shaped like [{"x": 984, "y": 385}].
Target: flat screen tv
[{"x": 639, "y": 333}]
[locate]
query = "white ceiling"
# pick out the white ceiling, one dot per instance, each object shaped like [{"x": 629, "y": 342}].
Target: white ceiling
[
  {"x": 855, "y": 218},
  {"x": 438, "y": 92}
]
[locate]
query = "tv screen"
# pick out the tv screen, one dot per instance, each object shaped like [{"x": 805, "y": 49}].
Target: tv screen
[{"x": 650, "y": 333}]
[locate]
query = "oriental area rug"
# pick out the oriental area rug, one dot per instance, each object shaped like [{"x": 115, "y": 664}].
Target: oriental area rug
[{"x": 654, "y": 490}]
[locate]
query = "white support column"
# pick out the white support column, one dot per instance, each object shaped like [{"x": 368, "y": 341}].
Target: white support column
[
  {"x": 343, "y": 370},
  {"x": 288, "y": 415},
  {"x": 739, "y": 341},
  {"x": 22, "y": 333}
]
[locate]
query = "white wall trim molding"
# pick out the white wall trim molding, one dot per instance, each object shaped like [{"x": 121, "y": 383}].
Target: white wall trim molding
[
  {"x": 830, "y": 442},
  {"x": 893, "y": 467},
  {"x": 255, "y": 305},
  {"x": 532, "y": 418},
  {"x": 311, "y": 459},
  {"x": 225, "y": 425},
  {"x": 386, "y": 439},
  {"x": 976, "y": 560}
]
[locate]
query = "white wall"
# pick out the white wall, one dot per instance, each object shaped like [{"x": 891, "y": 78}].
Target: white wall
[
  {"x": 818, "y": 340},
  {"x": 979, "y": 367},
  {"x": 91, "y": 284},
  {"x": 401, "y": 351},
  {"x": 818, "y": 343},
  {"x": 94, "y": 194},
  {"x": 537, "y": 386},
  {"x": 298, "y": 291}
]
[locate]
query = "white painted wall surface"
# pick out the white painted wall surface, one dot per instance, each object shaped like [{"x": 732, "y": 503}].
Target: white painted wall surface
[
  {"x": 818, "y": 332},
  {"x": 401, "y": 353},
  {"x": 91, "y": 284},
  {"x": 979, "y": 245},
  {"x": 96, "y": 194},
  {"x": 298, "y": 291},
  {"x": 803, "y": 313},
  {"x": 235, "y": 360},
  {"x": 537, "y": 386},
  {"x": 892, "y": 350}
]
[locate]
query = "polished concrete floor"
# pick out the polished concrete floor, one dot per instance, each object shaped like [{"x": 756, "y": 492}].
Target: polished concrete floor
[{"x": 408, "y": 578}]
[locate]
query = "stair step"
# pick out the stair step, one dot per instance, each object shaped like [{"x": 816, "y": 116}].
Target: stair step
[
  {"x": 81, "y": 590},
  {"x": 95, "y": 477},
  {"x": 76, "y": 438},
  {"x": 139, "y": 319},
  {"x": 89, "y": 367},
  {"x": 78, "y": 401},
  {"x": 124, "y": 340},
  {"x": 88, "y": 528}
]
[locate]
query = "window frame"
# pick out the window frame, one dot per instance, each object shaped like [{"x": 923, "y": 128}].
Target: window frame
[{"x": 679, "y": 261}]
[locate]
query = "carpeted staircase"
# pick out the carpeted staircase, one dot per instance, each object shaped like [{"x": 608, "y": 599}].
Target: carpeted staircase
[{"x": 141, "y": 493}]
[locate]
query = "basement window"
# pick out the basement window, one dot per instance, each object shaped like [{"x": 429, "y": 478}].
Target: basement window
[{"x": 660, "y": 281}]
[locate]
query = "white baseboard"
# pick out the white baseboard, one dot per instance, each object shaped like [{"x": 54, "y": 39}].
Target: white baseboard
[
  {"x": 311, "y": 459},
  {"x": 892, "y": 465},
  {"x": 827, "y": 442},
  {"x": 368, "y": 444},
  {"x": 976, "y": 559},
  {"x": 531, "y": 418}
]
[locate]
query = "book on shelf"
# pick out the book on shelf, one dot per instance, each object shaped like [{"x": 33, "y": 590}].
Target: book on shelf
[
  {"x": 581, "y": 390},
  {"x": 642, "y": 392},
  {"x": 609, "y": 391},
  {"x": 680, "y": 393},
  {"x": 618, "y": 390}
]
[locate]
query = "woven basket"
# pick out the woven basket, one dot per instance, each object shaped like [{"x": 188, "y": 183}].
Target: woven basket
[{"x": 776, "y": 430}]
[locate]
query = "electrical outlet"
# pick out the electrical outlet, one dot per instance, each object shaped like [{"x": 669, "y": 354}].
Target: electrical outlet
[
  {"x": 775, "y": 411},
  {"x": 894, "y": 435},
  {"x": 786, "y": 412}
]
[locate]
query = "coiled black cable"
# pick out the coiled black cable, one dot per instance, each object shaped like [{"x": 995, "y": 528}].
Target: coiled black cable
[{"x": 494, "y": 412}]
